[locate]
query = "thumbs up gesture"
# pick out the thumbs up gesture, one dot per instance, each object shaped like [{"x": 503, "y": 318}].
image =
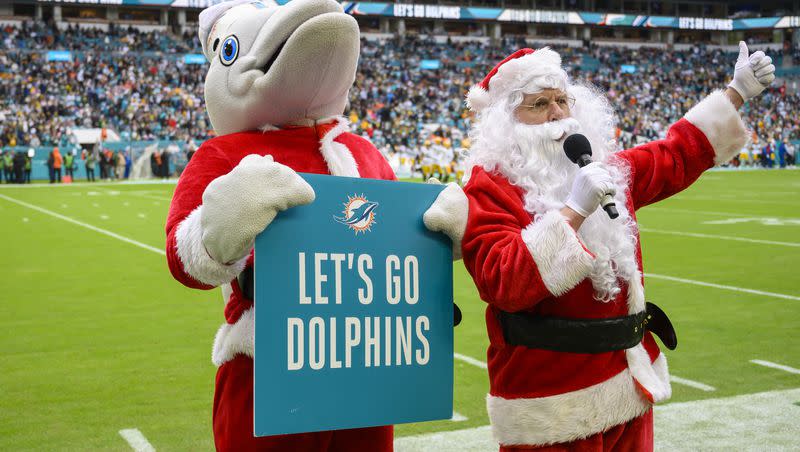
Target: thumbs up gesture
[{"x": 753, "y": 73}]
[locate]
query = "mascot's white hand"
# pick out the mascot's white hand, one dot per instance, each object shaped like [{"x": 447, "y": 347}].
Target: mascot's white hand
[
  {"x": 753, "y": 73},
  {"x": 448, "y": 214},
  {"x": 240, "y": 204},
  {"x": 592, "y": 182}
]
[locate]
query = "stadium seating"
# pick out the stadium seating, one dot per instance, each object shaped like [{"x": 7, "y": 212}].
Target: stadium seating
[{"x": 408, "y": 96}]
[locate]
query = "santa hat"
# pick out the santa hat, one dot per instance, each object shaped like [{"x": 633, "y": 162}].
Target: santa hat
[
  {"x": 210, "y": 16},
  {"x": 526, "y": 68}
]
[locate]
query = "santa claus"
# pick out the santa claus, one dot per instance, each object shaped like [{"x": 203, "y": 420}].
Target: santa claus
[
  {"x": 277, "y": 84},
  {"x": 572, "y": 361}
]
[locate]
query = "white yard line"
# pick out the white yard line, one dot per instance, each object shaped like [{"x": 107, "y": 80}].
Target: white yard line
[
  {"x": 85, "y": 225},
  {"x": 738, "y": 200},
  {"x": 691, "y": 383},
  {"x": 458, "y": 417},
  {"x": 468, "y": 360},
  {"x": 136, "y": 440},
  {"x": 720, "y": 237},
  {"x": 711, "y": 212},
  {"x": 722, "y": 286},
  {"x": 772, "y": 365},
  {"x": 763, "y": 421},
  {"x": 147, "y": 196}
]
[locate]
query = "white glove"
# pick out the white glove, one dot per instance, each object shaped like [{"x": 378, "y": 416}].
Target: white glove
[
  {"x": 592, "y": 182},
  {"x": 753, "y": 73},
  {"x": 239, "y": 205},
  {"x": 448, "y": 214}
]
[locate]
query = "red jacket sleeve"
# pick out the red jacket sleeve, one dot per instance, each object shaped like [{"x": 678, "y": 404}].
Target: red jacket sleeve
[
  {"x": 207, "y": 164},
  {"x": 515, "y": 263},
  {"x": 665, "y": 167}
]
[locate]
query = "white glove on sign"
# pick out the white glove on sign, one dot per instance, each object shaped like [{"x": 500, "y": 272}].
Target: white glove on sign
[
  {"x": 753, "y": 73},
  {"x": 242, "y": 203},
  {"x": 448, "y": 214},
  {"x": 592, "y": 182}
]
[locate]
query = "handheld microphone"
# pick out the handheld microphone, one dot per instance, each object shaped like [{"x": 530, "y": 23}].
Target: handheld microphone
[{"x": 579, "y": 151}]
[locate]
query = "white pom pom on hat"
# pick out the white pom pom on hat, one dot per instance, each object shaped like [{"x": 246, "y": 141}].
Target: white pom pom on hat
[{"x": 517, "y": 71}]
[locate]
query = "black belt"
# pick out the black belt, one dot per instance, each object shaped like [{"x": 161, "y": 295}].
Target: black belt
[
  {"x": 245, "y": 280},
  {"x": 586, "y": 335}
]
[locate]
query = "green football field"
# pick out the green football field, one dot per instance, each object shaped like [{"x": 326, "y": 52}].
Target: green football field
[{"x": 98, "y": 338}]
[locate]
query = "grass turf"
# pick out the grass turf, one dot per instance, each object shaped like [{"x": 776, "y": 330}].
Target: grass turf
[{"x": 98, "y": 337}]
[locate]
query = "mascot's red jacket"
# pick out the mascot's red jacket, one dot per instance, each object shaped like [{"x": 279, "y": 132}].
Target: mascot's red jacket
[
  {"x": 298, "y": 148},
  {"x": 292, "y": 66}
]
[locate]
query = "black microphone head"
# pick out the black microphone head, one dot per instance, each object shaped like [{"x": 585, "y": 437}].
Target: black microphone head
[{"x": 577, "y": 145}]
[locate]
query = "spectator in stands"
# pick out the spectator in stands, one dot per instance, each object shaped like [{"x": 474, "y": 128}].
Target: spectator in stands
[
  {"x": 19, "y": 167},
  {"x": 69, "y": 164},
  {"x": 164, "y": 165},
  {"x": 90, "y": 159},
  {"x": 782, "y": 160},
  {"x": 4, "y": 165},
  {"x": 29, "y": 164},
  {"x": 58, "y": 162},
  {"x": 155, "y": 163},
  {"x": 119, "y": 158},
  {"x": 128, "y": 162}
]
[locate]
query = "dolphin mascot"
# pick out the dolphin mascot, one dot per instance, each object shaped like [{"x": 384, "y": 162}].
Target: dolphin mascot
[{"x": 277, "y": 85}]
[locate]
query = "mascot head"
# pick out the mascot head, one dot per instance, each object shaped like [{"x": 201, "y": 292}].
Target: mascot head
[{"x": 277, "y": 65}]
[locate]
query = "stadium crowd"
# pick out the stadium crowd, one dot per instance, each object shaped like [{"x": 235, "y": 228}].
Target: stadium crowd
[{"x": 138, "y": 83}]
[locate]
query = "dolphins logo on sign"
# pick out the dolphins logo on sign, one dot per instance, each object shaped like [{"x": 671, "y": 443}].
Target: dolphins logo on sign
[{"x": 359, "y": 213}]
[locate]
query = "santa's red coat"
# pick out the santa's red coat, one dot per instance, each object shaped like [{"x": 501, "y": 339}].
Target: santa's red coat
[
  {"x": 325, "y": 149},
  {"x": 536, "y": 263}
]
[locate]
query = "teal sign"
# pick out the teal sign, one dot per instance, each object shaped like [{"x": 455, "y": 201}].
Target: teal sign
[{"x": 353, "y": 310}]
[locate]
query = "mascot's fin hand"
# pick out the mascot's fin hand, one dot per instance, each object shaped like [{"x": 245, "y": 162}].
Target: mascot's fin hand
[
  {"x": 448, "y": 214},
  {"x": 241, "y": 204}
]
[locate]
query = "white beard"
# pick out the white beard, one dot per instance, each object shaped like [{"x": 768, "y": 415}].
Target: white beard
[{"x": 540, "y": 167}]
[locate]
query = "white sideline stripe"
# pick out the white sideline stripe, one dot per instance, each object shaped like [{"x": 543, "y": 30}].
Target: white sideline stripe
[
  {"x": 91, "y": 184},
  {"x": 720, "y": 237},
  {"x": 722, "y": 286},
  {"x": 691, "y": 383},
  {"x": 136, "y": 440},
  {"x": 762, "y": 421},
  {"x": 85, "y": 225},
  {"x": 791, "y": 370},
  {"x": 468, "y": 360},
  {"x": 458, "y": 417}
]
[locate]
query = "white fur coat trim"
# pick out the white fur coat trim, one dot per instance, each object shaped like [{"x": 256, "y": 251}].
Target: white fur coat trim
[
  {"x": 566, "y": 417},
  {"x": 654, "y": 377},
  {"x": 194, "y": 257},
  {"x": 236, "y": 339},
  {"x": 722, "y": 125},
  {"x": 561, "y": 259},
  {"x": 339, "y": 159},
  {"x": 636, "y": 301}
]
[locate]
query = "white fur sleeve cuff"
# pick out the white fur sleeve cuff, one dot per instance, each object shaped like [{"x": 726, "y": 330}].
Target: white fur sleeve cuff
[
  {"x": 562, "y": 260},
  {"x": 196, "y": 261},
  {"x": 722, "y": 125}
]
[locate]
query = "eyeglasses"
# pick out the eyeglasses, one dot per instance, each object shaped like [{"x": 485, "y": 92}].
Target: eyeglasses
[{"x": 542, "y": 104}]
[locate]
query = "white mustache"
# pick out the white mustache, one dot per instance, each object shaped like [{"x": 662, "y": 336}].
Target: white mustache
[{"x": 556, "y": 130}]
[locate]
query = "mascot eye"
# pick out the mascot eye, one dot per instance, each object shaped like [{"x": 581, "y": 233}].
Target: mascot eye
[{"x": 230, "y": 50}]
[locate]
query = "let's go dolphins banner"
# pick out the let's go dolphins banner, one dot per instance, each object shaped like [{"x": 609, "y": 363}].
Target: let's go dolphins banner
[{"x": 353, "y": 308}]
